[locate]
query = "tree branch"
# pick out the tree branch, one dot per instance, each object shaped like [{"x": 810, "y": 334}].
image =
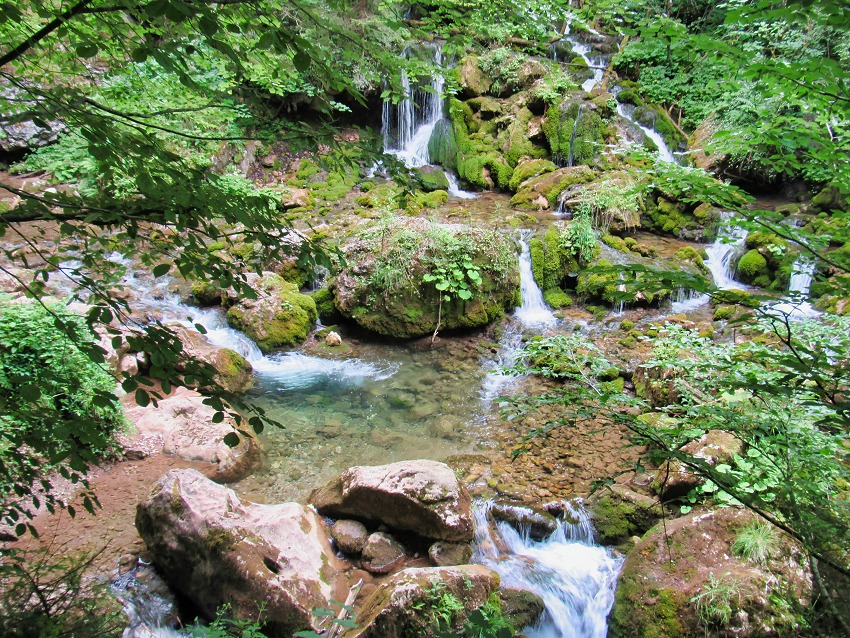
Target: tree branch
[{"x": 45, "y": 31}]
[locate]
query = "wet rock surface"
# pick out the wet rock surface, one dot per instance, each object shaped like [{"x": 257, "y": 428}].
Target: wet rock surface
[
  {"x": 349, "y": 536},
  {"x": 382, "y": 554}
]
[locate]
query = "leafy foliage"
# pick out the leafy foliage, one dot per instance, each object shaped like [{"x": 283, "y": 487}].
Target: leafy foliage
[{"x": 59, "y": 412}]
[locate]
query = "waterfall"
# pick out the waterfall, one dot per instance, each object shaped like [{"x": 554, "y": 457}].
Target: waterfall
[
  {"x": 533, "y": 313},
  {"x": 582, "y": 49},
  {"x": 407, "y": 126},
  {"x": 720, "y": 262},
  {"x": 454, "y": 188},
  {"x": 798, "y": 305},
  {"x": 573, "y": 138},
  {"x": 575, "y": 578},
  {"x": 627, "y": 111},
  {"x": 721, "y": 253}
]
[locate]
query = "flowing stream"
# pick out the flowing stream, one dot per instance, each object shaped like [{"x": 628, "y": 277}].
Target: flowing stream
[
  {"x": 533, "y": 313},
  {"x": 595, "y": 63},
  {"x": 798, "y": 305},
  {"x": 575, "y": 577}
]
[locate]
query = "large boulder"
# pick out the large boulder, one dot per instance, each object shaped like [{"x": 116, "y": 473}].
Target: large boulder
[
  {"x": 279, "y": 316},
  {"x": 182, "y": 425},
  {"x": 406, "y": 605},
  {"x": 692, "y": 559},
  {"x": 404, "y": 276},
  {"x": 232, "y": 372},
  {"x": 472, "y": 80},
  {"x": 421, "y": 496},
  {"x": 214, "y": 548},
  {"x": 619, "y": 513}
]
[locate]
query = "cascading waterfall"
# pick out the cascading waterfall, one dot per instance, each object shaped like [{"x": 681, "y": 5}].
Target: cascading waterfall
[
  {"x": 596, "y": 63},
  {"x": 627, "y": 111},
  {"x": 575, "y": 577},
  {"x": 533, "y": 313},
  {"x": 407, "y": 127},
  {"x": 720, "y": 262},
  {"x": 798, "y": 306}
]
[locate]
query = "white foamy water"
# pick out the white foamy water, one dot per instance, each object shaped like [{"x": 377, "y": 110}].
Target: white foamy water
[
  {"x": 455, "y": 189},
  {"x": 720, "y": 262},
  {"x": 575, "y": 577},
  {"x": 595, "y": 63},
  {"x": 798, "y": 305},
  {"x": 533, "y": 313},
  {"x": 297, "y": 371},
  {"x": 627, "y": 111}
]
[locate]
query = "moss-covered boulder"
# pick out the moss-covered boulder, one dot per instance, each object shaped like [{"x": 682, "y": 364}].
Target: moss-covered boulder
[
  {"x": 405, "y": 276},
  {"x": 529, "y": 169},
  {"x": 543, "y": 191},
  {"x": 471, "y": 79},
  {"x": 432, "y": 178},
  {"x": 574, "y": 131},
  {"x": 230, "y": 371},
  {"x": 280, "y": 315},
  {"x": 752, "y": 266},
  {"x": 677, "y": 219},
  {"x": 619, "y": 513},
  {"x": 442, "y": 146},
  {"x": 685, "y": 579},
  {"x": 603, "y": 283}
]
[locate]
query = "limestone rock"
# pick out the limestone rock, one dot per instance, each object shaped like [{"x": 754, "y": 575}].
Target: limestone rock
[
  {"x": 444, "y": 554},
  {"x": 182, "y": 425},
  {"x": 233, "y": 373},
  {"x": 215, "y": 549},
  {"x": 421, "y": 496},
  {"x": 349, "y": 536},
  {"x": 280, "y": 316},
  {"x": 549, "y": 186},
  {"x": 539, "y": 523},
  {"x": 403, "y": 605},
  {"x": 473, "y": 81},
  {"x": 382, "y": 554},
  {"x": 673, "y": 564}
]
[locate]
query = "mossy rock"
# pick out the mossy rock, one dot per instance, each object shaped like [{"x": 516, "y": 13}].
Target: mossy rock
[
  {"x": 432, "y": 179},
  {"x": 442, "y": 147},
  {"x": 518, "y": 144},
  {"x": 529, "y": 169},
  {"x": 734, "y": 297},
  {"x": 751, "y": 266},
  {"x": 830, "y": 199},
  {"x": 306, "y": 169},
  {"x": 280, "y": 316},
  {"x": 557, "y": 298},
  {"x": 620, "y": 513},
  {"x": 206, "y": 294},
  {"x": 573, "y": 131},
  {"x": 422, "y": 201},
  {"x": 389, "y": 286},
  {"x": 549, "y": 186},
  {"x": 325, "y": 306}
]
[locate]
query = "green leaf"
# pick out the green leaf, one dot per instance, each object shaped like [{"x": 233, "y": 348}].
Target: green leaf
[
  {"x": 142, "y": 397},
  {"x": 87, "y": 49},
  {"x": 231, "y": 439},
  {"x": 139, "y": 54},
  {"x": 161, "y": 270}
]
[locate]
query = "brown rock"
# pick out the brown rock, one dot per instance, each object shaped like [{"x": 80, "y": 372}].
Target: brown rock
[
  {"x": 421, "y": 496},
  {"x": 349, "y": 536},
  {"x": 403, "y": 605},
  {"x": 233, "y": 373},
  {"x": 214, "y": 548},
  {"x": 538, "y": 522},
  {"x": 444, "y": 554},
  {"x": 382, "y": 554}
]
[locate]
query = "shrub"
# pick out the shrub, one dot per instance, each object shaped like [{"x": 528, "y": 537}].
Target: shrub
[
  {"x": 58, "y": 410},
  {"x": 756, "y": 542}
]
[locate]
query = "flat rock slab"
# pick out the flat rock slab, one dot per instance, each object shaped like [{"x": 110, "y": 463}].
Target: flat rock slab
[{"x": 421, "y": 496}]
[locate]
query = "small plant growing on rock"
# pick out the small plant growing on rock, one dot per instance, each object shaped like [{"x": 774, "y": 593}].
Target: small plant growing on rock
[
  {"x": 716, "y": 601},
  {"x": 756, "y": 542}
]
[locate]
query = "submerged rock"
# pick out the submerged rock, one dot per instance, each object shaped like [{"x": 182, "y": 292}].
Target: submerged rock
[
  {"x": 421, "y": 496},
  {"x": 215, "y": 548},
  {"x": 407, "y": 604},
  {"x": 182, "y": 425},
  {"x": 538, "y": 522}
]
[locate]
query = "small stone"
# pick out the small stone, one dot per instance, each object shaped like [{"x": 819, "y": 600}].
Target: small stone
[
  {"x": 444, "y": 554},
  {"x": 382, "y": 554},
  {"x": 349, "y": 536},
  {"x": 333, "y": 339}
]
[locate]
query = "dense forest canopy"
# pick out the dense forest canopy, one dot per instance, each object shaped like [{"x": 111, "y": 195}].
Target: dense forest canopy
[{"x": 141, "y": 111}]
